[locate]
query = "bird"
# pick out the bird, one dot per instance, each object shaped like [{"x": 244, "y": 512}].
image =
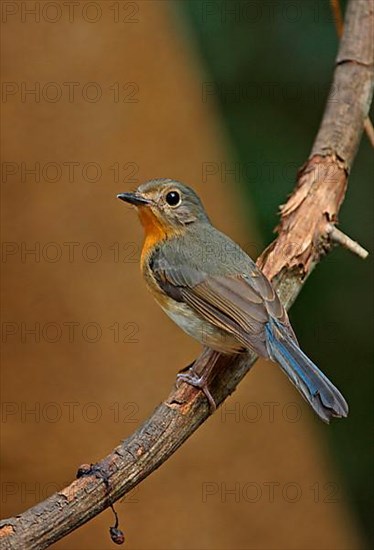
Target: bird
[{"x": 216, "y": 293}]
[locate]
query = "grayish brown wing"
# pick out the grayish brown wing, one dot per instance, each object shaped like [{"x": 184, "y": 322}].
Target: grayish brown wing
[{"x": 239, "y": 303}]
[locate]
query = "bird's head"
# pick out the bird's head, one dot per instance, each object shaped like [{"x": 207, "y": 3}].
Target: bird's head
[{"x": 166, "y": 204}]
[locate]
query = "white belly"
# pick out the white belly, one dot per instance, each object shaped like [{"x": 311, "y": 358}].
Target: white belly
[{"x": 203, "y": 331}]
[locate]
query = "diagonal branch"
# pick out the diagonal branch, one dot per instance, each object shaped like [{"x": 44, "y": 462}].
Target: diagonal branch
[
  {"x": 339, "y": 26},
  {"x": 303, "y": 239}
]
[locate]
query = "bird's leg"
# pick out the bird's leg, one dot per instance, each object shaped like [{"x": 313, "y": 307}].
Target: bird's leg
[{"x": 198, "y": 374}]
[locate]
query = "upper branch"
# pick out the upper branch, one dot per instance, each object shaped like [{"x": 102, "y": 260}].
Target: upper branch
[{"x": 304, "y": 231}]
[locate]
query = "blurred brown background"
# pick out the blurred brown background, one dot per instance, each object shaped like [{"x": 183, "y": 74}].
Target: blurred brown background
[{"x": 117, "y": 101}]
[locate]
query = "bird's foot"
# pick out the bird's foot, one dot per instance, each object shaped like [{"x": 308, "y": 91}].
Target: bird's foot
[{"x": 199, "y": 382}]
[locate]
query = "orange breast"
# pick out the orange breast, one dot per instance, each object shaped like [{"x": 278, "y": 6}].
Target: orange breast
[{"x": 155, "y": 231}]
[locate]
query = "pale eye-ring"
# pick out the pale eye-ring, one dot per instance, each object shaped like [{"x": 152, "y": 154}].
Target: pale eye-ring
[{"x": 173, "y": 198}]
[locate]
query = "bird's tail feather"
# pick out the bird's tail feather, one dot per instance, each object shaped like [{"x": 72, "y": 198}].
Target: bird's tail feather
[{"x": 316, "y": 388}]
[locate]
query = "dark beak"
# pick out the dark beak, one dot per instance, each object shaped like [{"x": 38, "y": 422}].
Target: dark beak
[{"x": 133, "y": 198}]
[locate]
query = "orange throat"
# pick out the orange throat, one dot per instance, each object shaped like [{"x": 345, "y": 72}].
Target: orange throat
[{"x": 155, "y": 231}]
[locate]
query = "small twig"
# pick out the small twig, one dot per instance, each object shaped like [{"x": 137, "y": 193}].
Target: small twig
[
  {"x": 369, "y": 129},
  {"x": 339, "y": 26},
  {"x": 341, "y": 238},
  {"x": 338, "y": 16}
]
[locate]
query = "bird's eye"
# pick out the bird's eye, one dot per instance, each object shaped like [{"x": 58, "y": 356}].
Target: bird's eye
[{"x": 173, "y": 198}]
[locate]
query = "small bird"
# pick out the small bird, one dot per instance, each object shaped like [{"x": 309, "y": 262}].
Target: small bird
[{"x": 215, "y": 292}]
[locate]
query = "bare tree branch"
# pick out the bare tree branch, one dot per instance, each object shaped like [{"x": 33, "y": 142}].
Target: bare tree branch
[
  {"x": 339, "y": 26},
  {"x": 304, "y": 236}
]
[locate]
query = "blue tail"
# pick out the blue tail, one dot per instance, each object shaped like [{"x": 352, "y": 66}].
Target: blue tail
[{"x": 316, "y": 388}]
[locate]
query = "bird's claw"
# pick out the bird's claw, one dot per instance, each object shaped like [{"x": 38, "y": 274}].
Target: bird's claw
[{"x": 199, "y": 382}]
